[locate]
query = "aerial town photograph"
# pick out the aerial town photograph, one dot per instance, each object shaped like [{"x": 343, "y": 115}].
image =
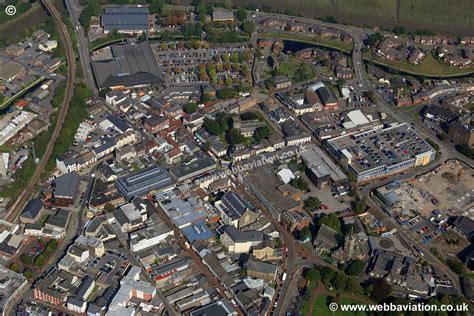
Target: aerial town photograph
[{"x": 237, "y": 157}]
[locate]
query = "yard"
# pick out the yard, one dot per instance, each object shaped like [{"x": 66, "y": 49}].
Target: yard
[
  {"x": 295, "y": 69},
  {"x": 428, "y": 67}
]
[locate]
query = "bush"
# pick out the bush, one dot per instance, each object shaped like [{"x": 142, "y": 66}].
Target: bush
[
  {"x": 299, "y": 184},
  {"x": 15, "y": 267},
  {"x": 355, "y": 268},
  {"x": 190, "y": 108},
  {"x": 28, "y": 274},
  {"x": 26, "y": 259},
  {"x": 311, "y": 203},
  {"x": 456, "y": 266}
]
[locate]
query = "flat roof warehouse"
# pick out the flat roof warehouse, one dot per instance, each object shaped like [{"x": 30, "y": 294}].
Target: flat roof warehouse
[{"x": 131, "y": 65}]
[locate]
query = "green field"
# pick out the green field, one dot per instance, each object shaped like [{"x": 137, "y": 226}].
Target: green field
[
  {"x": 429, "y": 67},
  {"x": 321, "y": 307},
  {"x": 440, "y": 16}
]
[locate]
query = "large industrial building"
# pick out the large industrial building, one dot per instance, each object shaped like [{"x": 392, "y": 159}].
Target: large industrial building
[
  {"x": 130, "y": 19},
  {"x": 321, "y": 169},
  {"x": 381, "y": 152},
  {"x": 139, "y": 183},
  {"x": 126, "y": 65}
]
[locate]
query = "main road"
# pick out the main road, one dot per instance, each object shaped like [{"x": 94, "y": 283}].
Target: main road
[
  {"x": 74, "y": 9},
  {"x": 28, "y": 191}
]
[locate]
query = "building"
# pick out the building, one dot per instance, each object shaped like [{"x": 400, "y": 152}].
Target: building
[
  {"x": 130, "y": 19},
  {"x": 131, "y": 65},
  {"x": 281, "y": 82},
  {"x": 48, "y": 46},
  {"x": 32, "y": 211},
  {"x": 327, "y": 239},
  {"x": 322, "y": 170},
  {"x": 56, "y": 287},
  {"x": 464, "y": 226},
  {"x": 149, "y": 236},
  {"x": 59, "y": 220},
  {"x": 240, "y": 241},
  {"x": 222, "y": 15},
  {"x": 144, "y": 181},
  {"x": 197, "y": 166},
  {"x": 10, "y": 70},
  {"x": 329, "y": 102},
  {"x": 461, "y": 133},
  {"x": 131, "y": 216},
  {"x": 12, "y": 286},
  {"x": 381, "y": 152},
  {"x": 222, "y": 307},
  {"x": 262, "y": 270},
  {"x": 65, "y": 189},
  {"x": 236, "y": 211},
  {"x": 155, "y": 124}
]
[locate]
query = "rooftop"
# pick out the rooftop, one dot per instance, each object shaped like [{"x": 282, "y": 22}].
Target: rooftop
[
  {"x": 133, "y": 64},
  {"x": 379, "y": 147}
]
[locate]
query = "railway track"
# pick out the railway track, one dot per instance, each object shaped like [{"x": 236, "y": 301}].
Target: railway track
[{"x": 29, "y": 190}]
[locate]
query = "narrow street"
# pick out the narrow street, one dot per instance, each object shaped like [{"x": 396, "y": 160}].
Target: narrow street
[{"x": 213, "y": 280}]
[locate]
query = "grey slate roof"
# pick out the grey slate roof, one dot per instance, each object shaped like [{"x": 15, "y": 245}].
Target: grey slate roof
[
  {"x": 66, "y": 185},
  {"x": 243, "y": 236},
  {"x": 125, "y": 18},
  {"x": 32, "y": 208},
  {"x": 133, "y": 64}
]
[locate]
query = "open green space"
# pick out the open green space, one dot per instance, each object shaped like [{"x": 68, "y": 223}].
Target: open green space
[
  {"x": 428, "y": 67},
  {"x": 320, "y": 307},
  {"x": 327, "y": 43},
  {"x": 295, "y": 69},
  {"x": 434, "y": 15}
]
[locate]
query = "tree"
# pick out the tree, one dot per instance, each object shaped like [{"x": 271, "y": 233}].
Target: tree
[
  {"x": 456, "y": 266},
  {"x": 109, "y": 207},
  {"x": 312, "y": 274},
  {"x": 373, "y": 39},
  {"x": 360, "y": 206},
  {"x": 39, "y": 261},
  {"x": 261, "y": 133},
  {"x": 305, "y": 233},
  {"x": 26, "y": 259},
  {"x": 311, "y": 203},
  {"x": 248, "y": 27},
  {"x": 190, "y": 108},
  {"x": 241, "y": 14},
  {"x": 330, "y": 220},
  {"x": 299, "y": 183},
  {"x": 355, "y": 268},
  {"x": 234, "y": 137},
  {"x": 15, "y": 267},
  {"x": 381, "y": 290},
  {"x": 28, "y": 273}
]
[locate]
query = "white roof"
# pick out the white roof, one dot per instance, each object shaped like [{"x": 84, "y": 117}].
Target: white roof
[
  {"x": 357, "y": 117},
  {"x": 286, "y": 175}
]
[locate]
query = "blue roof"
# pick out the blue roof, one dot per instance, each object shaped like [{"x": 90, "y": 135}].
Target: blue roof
[{"x": 197, "y": 231}]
